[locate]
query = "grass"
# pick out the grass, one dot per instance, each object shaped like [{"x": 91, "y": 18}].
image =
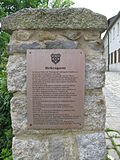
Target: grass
[{"x": 108, "y": 130}]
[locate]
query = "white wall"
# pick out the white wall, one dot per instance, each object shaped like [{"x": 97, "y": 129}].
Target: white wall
[
  {"x": 114, "y": 39},
  {"x": 106, "y": 50},
  {"x": 115, "y": 67}
]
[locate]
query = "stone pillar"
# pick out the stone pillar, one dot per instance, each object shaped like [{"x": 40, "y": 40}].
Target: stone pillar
[{"x": 57, "y": 29}]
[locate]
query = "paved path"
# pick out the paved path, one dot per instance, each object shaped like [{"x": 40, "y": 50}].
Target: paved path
[{"x": 112, "y": 98}]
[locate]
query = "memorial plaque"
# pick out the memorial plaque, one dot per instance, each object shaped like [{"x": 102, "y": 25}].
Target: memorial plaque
[{"x": 55, "y": 88}]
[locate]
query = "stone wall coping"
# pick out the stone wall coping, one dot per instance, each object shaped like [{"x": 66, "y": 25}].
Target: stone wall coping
[{"x": 69, "y": 18}]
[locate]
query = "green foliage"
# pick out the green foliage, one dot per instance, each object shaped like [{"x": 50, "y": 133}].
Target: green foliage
[
  {"x": 107, "y": 130},
  {"x": 11, "y": 6},
  {"x": 6, "y": 154},
  {"x": 4, "y": 39},
  {"x": 62, "y": 3},
  {"x": 5, "y": 96},
  {"x": 2, "y": 12}
]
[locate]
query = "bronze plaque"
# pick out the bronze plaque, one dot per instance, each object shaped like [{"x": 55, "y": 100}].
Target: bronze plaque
[{"x": 55, "y": 88}]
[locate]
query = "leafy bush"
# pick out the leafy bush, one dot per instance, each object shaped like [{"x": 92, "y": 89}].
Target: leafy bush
[{"x": 5, "y": 96}]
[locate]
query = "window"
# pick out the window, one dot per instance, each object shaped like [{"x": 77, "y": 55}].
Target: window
[
  {"x": 111, "y": 58},
  {"x": 119, "y": 55},
  {"x": 114, "y": 33},
  {"x": 118, "y": 29},
  {"x": 115, "y": 57}
]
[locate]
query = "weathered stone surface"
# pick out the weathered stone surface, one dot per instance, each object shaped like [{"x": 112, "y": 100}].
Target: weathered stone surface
[
  {"x": 94, "y": 112},
  {"x": 46, "y": 36},
  {"x": 88, "y": 146},
  {"x": 57, "y": 148},
  {"x": 19, "y": 114},
  {"x": 29, "y": 149},
  {"x": 62, "y": 148},
  {"x": 94, "y": 71},
  {"x": 94, "y": 80},
  {"x": 22, "y": 35},
  {"x": 73, "y": 35},
  {"x": 91, "y": 36},
  {"x": 22, "y": 47},
  {"x": 91, "y": 146},
  {"x": 69, "y": 18},
  {"x": 16, "y": 73},
  {"x": 97, "y": 46},
  {"x": 61, "y": 44}
]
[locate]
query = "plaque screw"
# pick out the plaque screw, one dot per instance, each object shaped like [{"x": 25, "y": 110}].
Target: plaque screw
[
  {"x": 30, "y": 124},
  {"x": 29, "y": 52}
]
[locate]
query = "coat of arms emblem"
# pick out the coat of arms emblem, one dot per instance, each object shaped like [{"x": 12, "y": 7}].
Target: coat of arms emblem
[{"x": 55, "y": 58}]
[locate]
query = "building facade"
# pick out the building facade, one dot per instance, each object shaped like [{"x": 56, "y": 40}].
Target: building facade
[{"x": 112, "y": 44}]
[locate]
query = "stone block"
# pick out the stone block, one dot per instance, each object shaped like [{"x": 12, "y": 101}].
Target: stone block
[
  {"x": 29, "y": 149},
  {"x": 53, "y": 148},
  {"x": 16, "y": 73},
  {"x": 73, "y": 35},
  {"x": 91, "y": 35},
  {"x": 94, "y": 111},
  {"x": 91, "y": 146},
  {"x": 61, "y": 44},
  {"x": 62, "y": 148},
  {"x": 22, "y": 47},
  {"x": 56, "y": 148},
  {"x": 19, "y": 114},
  {"x": 22, "y": 35},
  {"x": 94, "y": 71},
  {"x": 97, "y": 46},
  {"x": 68, "y": 18},
  {"x": 45, "y": 35},
  {"x": 94, "y": 80}
]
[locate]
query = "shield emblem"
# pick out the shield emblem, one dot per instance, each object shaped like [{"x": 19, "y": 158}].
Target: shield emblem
[{"x": 55, "y": 58}]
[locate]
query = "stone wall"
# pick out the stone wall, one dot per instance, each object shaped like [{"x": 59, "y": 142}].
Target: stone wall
[{"x": 57, "y": 29}]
